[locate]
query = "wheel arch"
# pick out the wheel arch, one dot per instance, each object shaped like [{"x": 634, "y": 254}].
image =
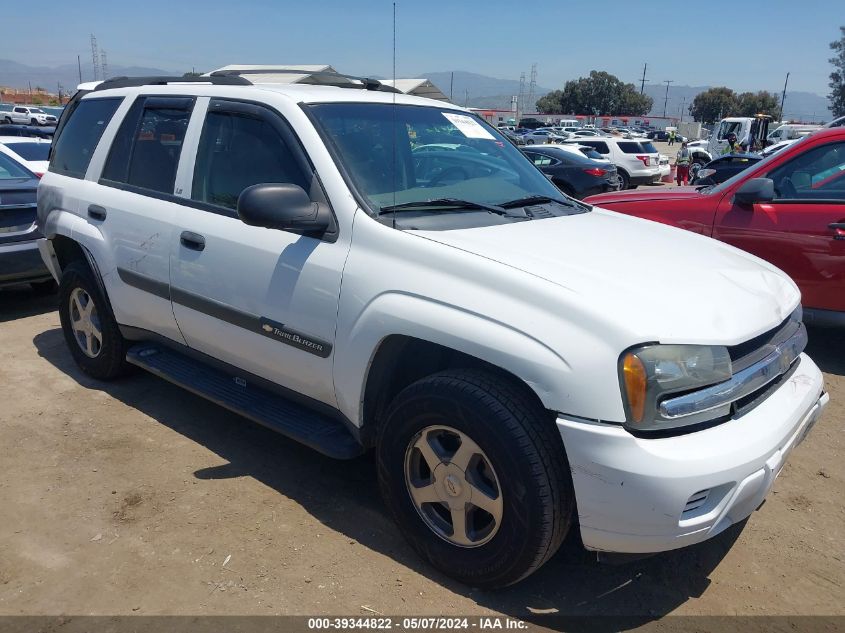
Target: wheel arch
[{"x": 399, "y": 339}]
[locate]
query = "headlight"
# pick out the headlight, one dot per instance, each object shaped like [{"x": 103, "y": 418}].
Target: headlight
[{"x": 651, "y": 372}]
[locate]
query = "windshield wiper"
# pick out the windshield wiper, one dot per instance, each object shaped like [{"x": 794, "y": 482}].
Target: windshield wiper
[
  {"x": 447, "y": 203},
  {"x": 521, "y": 202}
]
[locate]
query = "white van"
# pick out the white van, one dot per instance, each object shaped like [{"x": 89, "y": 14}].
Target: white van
[
  {"x": 569, "y": 123},
  {"x": 791, "y": 131}
]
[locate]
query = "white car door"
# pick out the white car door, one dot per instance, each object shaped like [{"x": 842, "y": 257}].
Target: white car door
[
  {"x": 131, "y": 203},
  {"x": 263, "y": 300}
]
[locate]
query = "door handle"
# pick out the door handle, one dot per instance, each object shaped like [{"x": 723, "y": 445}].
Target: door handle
[
  {"x": 838, "y": 229},
  {"x": 194, "y": 241},
  {"x": 96, "y": 212}
]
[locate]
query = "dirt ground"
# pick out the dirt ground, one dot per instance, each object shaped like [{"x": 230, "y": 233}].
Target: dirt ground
[{"x": 137, "y": 497}]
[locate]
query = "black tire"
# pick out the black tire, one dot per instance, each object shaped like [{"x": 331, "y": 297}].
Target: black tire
[
  {"x": 526, "y": 452},
  {"x": 529, "y": 141},
  {"x": 43, "y": 287},
  {"x": 624, "y": 180},
  {"x": 110, "y": 361},
  {"x": 7, "y": 120},
  {"x": 34, "y": 121}
]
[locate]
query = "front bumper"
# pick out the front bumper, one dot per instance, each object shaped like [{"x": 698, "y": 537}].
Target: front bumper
[
  {"x": 642, "y": 495},
  {"x": 20, "y": 262}
]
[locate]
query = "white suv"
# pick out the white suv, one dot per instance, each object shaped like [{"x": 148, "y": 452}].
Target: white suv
[
  {"x": 522, "y": 363},
  {"x": 636, "y": 160}
]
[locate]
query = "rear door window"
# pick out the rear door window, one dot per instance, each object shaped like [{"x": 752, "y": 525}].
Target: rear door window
[
  {"x": 73, "y": 150},
  {"x": 145, "y": 152}
]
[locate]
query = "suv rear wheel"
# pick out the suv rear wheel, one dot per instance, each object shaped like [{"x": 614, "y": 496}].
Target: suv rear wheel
[
  {"x": 475, "y": 474},
  {"x": 89, "y": 326}
]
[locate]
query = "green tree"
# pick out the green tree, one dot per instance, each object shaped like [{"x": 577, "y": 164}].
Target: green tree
[
  {"x": 837, "y": 77},
  {"x": 751, "y": 103},
  {"x": 191, "y": 75},
  {"x": 712, "y": 104},
  {"x": 600, "y": 93},
  {"x": 550, "y": 102}
]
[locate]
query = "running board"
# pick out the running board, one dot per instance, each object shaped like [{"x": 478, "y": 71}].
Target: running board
[{"x": 320, "y": 432}]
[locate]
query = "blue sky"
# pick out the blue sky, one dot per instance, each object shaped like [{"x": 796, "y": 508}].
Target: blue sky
[{"x": 693, "y": 43}]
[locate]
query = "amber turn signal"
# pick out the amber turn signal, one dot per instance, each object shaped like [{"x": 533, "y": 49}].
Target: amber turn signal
[{"x": 634, "y": 375}]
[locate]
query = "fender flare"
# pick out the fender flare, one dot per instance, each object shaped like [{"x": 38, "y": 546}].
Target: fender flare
[{"x": 476, "y": 335}]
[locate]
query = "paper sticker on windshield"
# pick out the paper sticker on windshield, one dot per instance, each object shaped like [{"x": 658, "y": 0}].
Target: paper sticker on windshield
[{"x": 468, "y": 126}]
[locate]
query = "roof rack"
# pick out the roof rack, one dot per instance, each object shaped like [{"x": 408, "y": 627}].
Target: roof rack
[
  {"x": 365, "y": 83},
  {"x": 129, "y": 82}
]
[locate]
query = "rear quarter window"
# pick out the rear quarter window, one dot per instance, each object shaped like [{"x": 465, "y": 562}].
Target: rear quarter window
[
  {"x": 73, "y": 150},
  {"x": 630, "y": 147},
  {"x": 600, "y": 146},
  {"x": 648, "y": 148}
]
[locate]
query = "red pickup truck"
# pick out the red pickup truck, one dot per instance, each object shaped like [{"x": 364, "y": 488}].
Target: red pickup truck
[{"x": 788, "y": 209}]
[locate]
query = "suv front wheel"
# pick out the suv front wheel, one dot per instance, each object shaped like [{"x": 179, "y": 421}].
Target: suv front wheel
[
  {"x": 474, "y": 472},
  {"x": 89, "y": 326}
]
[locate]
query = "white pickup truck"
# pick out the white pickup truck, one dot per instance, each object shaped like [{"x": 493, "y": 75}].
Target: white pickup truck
[
  {"x": 27, "y": 115},
  {"x": 522, "y": 363}
]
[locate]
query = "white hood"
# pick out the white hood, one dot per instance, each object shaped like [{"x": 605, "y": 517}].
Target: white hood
[{"x": 660, "y": 283}]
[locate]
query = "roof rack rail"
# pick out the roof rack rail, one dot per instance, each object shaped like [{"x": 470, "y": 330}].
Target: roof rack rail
[
  {"x": 366, "y": 83},
  {"x": 129, "y": 82}
]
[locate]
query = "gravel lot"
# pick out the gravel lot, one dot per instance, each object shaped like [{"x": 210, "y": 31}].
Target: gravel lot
[{"x": 136, "y": 497}]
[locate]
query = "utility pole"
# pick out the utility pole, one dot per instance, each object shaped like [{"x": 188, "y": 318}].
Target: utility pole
[
  {"x": 666, "y": 100},
  {"x": 642, "y": 83},
  {"x": 79, "y": 66},
  {"x": 684, "y": 103},
  {"x": 783, "y": 95},
  {"x": 104, "y": 65},
  {"x": 466, "y": 96},
  {"x": 451, "y": 84}
]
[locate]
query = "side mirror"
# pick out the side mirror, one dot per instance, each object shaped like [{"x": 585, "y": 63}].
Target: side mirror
[
  {"x": 755, "y": 190},
  {"x": 282, "y": 206}
]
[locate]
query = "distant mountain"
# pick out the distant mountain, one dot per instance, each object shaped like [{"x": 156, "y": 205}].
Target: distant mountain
[
  {"x": 480, "y": 91},
  {"x": 16, "y": 75},
  {"x": 804, "y": 106}
]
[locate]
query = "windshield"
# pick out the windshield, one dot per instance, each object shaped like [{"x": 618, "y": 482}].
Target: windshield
[
  {"x": 30, "y": 151},
  {"x": 433, "y": 154}
]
